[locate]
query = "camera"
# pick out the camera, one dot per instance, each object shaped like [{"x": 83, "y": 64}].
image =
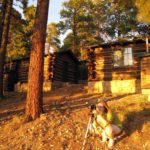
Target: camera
[{"x": 92, "y": 107}]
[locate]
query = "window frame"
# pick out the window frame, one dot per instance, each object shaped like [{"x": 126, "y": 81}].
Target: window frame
[{"x": 125, "y": 55}]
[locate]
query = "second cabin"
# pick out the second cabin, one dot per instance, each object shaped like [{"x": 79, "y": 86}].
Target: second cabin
[{"x": 59, "y": 68}]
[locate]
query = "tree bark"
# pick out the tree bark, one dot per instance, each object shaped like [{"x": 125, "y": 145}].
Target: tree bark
[
  {"x": 3, "y": 10},
  {"x": 34, "y": 103},
  {"x": 4, "y": 42},
  {"x": 74, "y": 32}
]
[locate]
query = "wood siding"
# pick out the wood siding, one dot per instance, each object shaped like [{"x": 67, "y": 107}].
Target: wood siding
[
  {"x": 65, "y": 69},
  {"x": 17, "y": 71},
  {"x": 10, "y": 76},
  {"x": 22, "y": 70},
  {"x": 101, "y": 62},
  {"x": 145, "y": 74}
]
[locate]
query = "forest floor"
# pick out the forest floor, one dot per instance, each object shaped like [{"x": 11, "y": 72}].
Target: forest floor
[{"x": 63, "y": 125}]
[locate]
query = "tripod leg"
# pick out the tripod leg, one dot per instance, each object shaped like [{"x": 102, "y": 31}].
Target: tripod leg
[{"x": 86, "y": 134}]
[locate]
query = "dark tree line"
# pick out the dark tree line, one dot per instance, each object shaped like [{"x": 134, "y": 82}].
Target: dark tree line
[{"x": 5, "y": 23}]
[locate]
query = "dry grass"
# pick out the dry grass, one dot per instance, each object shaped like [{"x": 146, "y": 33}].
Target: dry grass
[{"x": 64, "y": 128}]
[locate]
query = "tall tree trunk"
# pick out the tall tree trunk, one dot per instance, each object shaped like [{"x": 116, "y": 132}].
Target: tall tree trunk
[
  {"x": 2, "y": 16},
  {"x": 74, "y": 32},
  {"x": 3, "y": 47},
  {"x": 34, "y": 103}
]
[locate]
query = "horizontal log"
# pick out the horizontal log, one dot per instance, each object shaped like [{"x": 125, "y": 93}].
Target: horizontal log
[
  {"x": 70, "y": 75},
  {"x": 62, "y": 64},
  {"x": 22, "y": 71},
  {"x": 118, "y": 76},
  {"x": 61, "y": 67}
]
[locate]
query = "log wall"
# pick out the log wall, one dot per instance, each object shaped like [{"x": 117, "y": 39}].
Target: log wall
[
  {"x": 145, "y": 73},
  {"x": 17, "y": 71},
  {"x": 65, "y": 68},
  {"x": 10, "y": 76},
  {"x": 49, "y": 61},
  {"x": 109, "y": 78},
  {"x": 101, "y": 64},
  {"x": 22, "y": 70}
]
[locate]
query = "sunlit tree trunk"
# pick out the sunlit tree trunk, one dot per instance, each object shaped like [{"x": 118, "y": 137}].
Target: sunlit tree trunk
[
  {"x": 34, "y": 103},
  {"x": 4, "y": 42}
]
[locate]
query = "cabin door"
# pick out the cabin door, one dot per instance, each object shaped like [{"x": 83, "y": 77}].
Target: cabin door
[
  {"x": 10, "y": 80},
  {"x": 65, "y": 71}
]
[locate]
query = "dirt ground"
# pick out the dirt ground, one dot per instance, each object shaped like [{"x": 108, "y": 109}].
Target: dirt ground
[{"x": 64, "y": 123}]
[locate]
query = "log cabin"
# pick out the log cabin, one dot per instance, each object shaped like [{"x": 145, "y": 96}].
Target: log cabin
[
  {"x": 145, "y": 74},
  {"x": 59, "y": 68},
  {"x": 118, "y": 67}
]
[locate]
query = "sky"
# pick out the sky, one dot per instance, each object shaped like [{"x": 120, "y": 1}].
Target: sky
[
  {"x": 54, "y": 9},
  {"x": 54, "y": 13}
]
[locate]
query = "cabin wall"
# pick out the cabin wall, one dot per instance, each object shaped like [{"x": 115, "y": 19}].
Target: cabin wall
[
  {"x": 145, "y": 75},
  {"x": 10, "y": 76},
  {"x": 22, "y": 74},
  {"x": 111, "y": 79},
  {"x": 16, "y": 72},
  {"x": 22, "y": 70},
  {"x": 65, "y": 69},
  {"x": 48, "y": 67}
]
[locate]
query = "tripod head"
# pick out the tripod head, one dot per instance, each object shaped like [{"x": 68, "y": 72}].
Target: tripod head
[{"x": 92, "y": 107}]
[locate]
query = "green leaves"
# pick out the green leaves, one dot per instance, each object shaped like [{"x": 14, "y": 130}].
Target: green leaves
[
  {"x": 17, "y": 46},
  {"x": 77, "y": 16},
  {"x": 94, "y": 21},
  {"x": 21, "y": 31},
  {"x": 143, "y": 10},
  {"x": 52, "y": 40},
  {"x": 24, "y": 3}
]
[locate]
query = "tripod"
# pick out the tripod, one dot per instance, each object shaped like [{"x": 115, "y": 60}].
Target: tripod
[
  {"x": 90, "y": 127},
  {"x": 86, "y": 134}
]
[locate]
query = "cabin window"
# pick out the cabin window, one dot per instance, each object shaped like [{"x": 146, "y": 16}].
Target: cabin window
[
  {"x": 123, "y": 57},
  {"x": 128, "y": 57}
]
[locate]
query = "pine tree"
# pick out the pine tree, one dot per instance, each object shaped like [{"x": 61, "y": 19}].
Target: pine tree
[
  {"x": 4, "y": 42},
  {"x": 2, "y": 15},
  {"x": 52, "y": 40},
  {"x": 143, "y": 10},
  {"x": 34, "y": 101}
]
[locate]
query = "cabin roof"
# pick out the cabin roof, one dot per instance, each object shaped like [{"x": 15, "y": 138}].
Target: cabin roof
[
  {"x": 68, "y": 52},
  {"x": 18, "y": 59},
  {"x": 121, "y": 43},
  {"x": 144, "y": 54}
]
